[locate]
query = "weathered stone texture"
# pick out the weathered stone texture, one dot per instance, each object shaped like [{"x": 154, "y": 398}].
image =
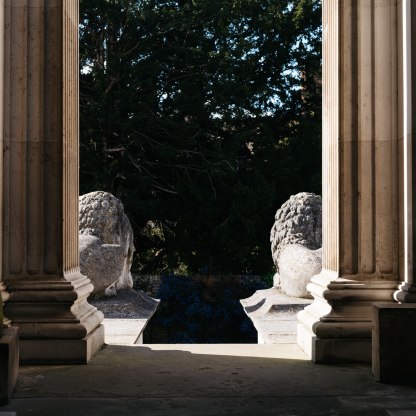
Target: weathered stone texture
[
  {"x": 106, "y": 243},
  {"x": 298, "y": 221},
  {"x": 296, "y": 239},
  {"x": 364, "y": 177},
  {"x": 297, "y": 265},
  {"x": 46, "y": 294}
]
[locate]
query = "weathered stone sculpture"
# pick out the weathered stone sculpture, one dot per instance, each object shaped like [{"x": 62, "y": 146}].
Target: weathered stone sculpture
[
  {"x": 105, "y": 243},
  {"x": 296, "y": 239}
]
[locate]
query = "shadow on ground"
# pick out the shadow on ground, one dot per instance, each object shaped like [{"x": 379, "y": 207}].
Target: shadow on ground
[{"x": 206, "y": 380}]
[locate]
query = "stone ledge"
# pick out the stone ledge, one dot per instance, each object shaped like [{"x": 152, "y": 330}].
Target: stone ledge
[{"x": 9, "y": 363}]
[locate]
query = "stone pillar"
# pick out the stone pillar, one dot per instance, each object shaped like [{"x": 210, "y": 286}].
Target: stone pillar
[
  {"x": 361, "y": 179},
  {"x": 407, "y": 290},
  {"x": 40, "y": 265},
  {"x": 4, "y": 295}
]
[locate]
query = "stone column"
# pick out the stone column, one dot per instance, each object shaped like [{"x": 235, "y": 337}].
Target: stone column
[
  {"x": 361, "y": 179},
  {"x": 40, "y": 265},
  {"x": 407, "y": 290},
  {"x": 4, "y": 295}
]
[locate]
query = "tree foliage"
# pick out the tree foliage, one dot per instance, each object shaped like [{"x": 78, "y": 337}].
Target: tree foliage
[{"x": 203, "y": 116}]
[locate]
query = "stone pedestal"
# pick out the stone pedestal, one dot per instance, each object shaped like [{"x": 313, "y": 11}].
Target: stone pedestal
[
  {"x": 363, "y": 189},
  {"x": 273, "y": 314},
  {"x": 40, "y": 265},
  {"x": 394, "y": 343},
  {"x": 126, "y": 316},
  {"x": 9, "y": 363}
]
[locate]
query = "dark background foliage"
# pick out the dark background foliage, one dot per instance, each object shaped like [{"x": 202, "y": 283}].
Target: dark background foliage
[{"x": 203, "y": 116}]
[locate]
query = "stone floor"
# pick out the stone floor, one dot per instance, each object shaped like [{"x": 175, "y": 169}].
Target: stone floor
[{"x": 206, "y": 380}]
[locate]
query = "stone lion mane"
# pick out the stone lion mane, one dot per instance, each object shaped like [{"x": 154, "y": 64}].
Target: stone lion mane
[
  {"x": 296, "y": 240},
  {"x": 297, "y": 221},
  {"x": 106, "y": 242}
]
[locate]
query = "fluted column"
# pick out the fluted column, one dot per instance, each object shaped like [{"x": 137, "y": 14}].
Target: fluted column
[
  {"x": 361, "y": 179},
  {"x": 407, "y": 290},
  {"x": 48, "y": 294},
  {"x": 4, "y": 295}
]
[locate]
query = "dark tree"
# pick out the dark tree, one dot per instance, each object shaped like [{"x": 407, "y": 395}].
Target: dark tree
[{"x": 203, "y": 116}]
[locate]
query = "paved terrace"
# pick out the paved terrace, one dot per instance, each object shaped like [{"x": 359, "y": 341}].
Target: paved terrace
[{"x": 208, "y": 380}]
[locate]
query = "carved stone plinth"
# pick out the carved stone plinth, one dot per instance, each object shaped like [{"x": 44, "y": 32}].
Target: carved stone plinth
[{"x": 337, "y": 326}]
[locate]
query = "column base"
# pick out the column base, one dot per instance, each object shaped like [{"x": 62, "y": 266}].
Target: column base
[
  {"x": 406, "y": 293},
  {"x": 61, "y": 351},
  {"x": 326, "y": 351},
  {"x": 56, "y": 323},
  {"x": 9, "y": 363},
  {"x": 337, "y": 326}
]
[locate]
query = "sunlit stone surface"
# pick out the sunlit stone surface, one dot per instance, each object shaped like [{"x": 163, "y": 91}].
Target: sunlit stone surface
[{"x": 40, "y": 264}]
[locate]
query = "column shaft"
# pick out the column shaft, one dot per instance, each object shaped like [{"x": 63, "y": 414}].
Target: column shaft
[
  {"x": 407, "y": 290},
  {"x": 40, "y": 176},
  {"x": 360, "y": 179},
  {"x": 4, "y": 295}
]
